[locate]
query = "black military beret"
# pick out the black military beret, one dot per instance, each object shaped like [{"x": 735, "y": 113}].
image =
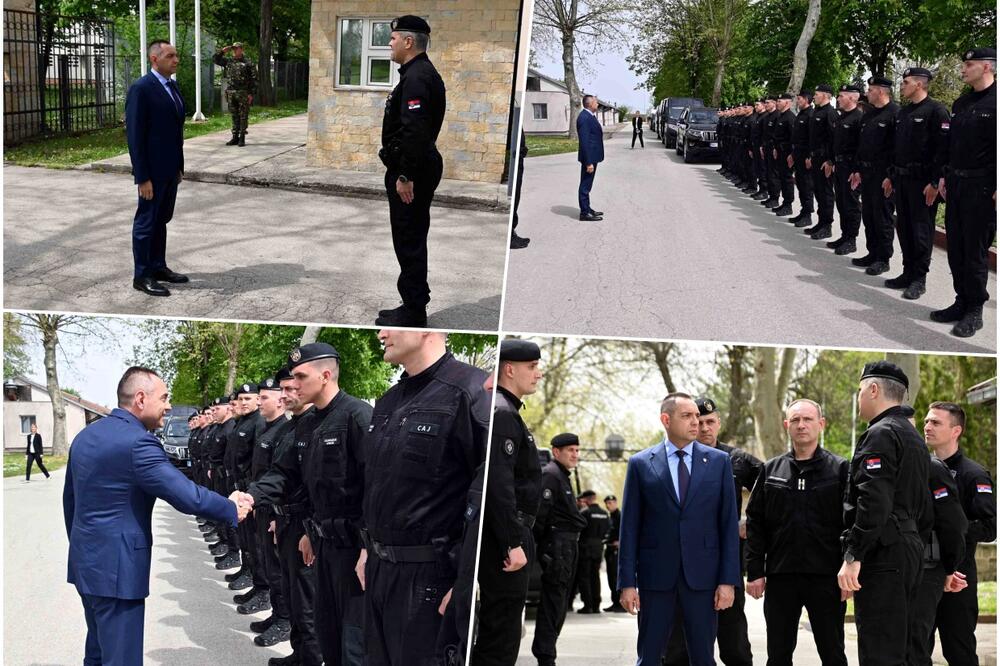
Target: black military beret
[
  {"x": 706, "y": 406},
  {"x": 221, "y": 400},
  {"x": 786, "y": 96},
  {"x": 565, "y": 439},
  {"x": 233, "y": 396},
  {"x": 806, "y": 93},
  {"x": 513, "y": 349},
  {"x": 311, "y": 352},
  {"x": 984, "y": 53},
  {"x": 410, "y": 23},
  {"x": 587, "y": 494},
  {"x": 246, "y": 388},
  {"x": 885, "y": 370},
  {"x": 918, "y": 71},
  {"x": 269, "y": 384},
  {"x": 761, "y": 100},
  {"x": 824, "y": 87},
  {"x": 851, "y": 87},
  {"x": 879, "y": 81},
  {"x": 282, "y": 374},
  {"x": 610, "y": 498}
]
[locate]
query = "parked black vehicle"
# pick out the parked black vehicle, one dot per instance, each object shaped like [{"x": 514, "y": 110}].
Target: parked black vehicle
[
  {"x": 669, "y": 112},
  {"x": 697, "y": 133},
  {"x": 174, "y": 437}
]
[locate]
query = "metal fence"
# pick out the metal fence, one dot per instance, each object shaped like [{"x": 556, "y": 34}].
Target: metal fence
[{"x": 59, "y": 74}]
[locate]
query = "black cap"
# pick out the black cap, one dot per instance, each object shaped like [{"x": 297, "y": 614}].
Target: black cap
[
  {"x": 984, "y": 53},
  {"x": 282, "y": 374},
  {"x": 885, "y": 370},
  {"x": 918, "y": 71},
  {"x": 311, "y": 352},
  {"x": 246, "y": 388},
  {"x": 824, "y": 87},
  {"x": 879, "y": 81},
  {"x": 233, "y": 396},
  {"x": 516, "y": 350},
  {"x": 610, "y": 497},
  {"x": 851, "y": 87},
  {"x": 410, "y": 23},
  {"x": 706, "y": 406},
  {"x": 786, "y": 96},
  {"x": 565, "y": 439},
  {"x": 587, "y": 494},
  {"x": 806, "y": 93},
  {"x": 222, "y": 400},
  {"x": 269, "y": 384}
]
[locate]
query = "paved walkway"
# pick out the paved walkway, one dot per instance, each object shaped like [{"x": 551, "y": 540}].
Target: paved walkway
[
  {"x": 252, "y": 253},
  {"x": 190, "y": 617},
  {"x": 275, "y": 156},
  {"x": 682, "y": 254}
]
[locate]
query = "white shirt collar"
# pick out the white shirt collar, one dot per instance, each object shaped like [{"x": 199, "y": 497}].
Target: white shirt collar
[{"x": 159, "y": 77}]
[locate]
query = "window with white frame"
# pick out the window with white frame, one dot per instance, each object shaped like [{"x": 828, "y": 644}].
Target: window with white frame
[
  {"x": 540, "y": 111},
  {"x": 363, "y": 53},
  {"x": 26, "y": 423}
]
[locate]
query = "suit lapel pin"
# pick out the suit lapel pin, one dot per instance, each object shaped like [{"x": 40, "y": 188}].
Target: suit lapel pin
[{"x": 704, "y": 460}]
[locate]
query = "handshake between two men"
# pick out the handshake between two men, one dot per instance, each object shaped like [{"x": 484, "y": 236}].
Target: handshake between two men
[{"x": 243, "y": 502}]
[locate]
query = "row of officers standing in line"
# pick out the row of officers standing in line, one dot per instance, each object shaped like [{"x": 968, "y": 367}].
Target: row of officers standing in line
[
  {"x": 884, "y": 167},
  {"x": 894, "y": 520},
  {"x": 358, "y": 541}
]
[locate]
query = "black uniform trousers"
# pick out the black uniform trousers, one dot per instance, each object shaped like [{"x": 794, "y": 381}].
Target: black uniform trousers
[
  {"x": 33, "y": 458},
  {"x": 784, "y": 598},
  {"x": 785, "y": 179},
  {"x": 588, "y": 575},
  {"x": 611, "y": 569},
  {"x": 339, "y": 604},
  {"x": 957, "y": 615},
  {"x": 876, "y": 214},
  {"x": 804, "y": 182},
  {"x": 747, "y": 166},
  {"x": 410, "y": 224},
  {"x": 267, "y": 558},
  {"x": 760, "y": 170},
  {"x": 149, "y": 229},
  {"x": 502, "y": 595},
  {"x": 401, "y": 624},
  {"x": 299, "y": 585},
  {"x": 920, "y": 643},
  {"x": 558, "y": 557},
  {"x": 773, "y": 179},
  {"x": 848, "y": 201},
  {"x": 227, "y": 533},
  {"x": 248, "y": 543},
  {"x": 823, "y": 191},
  {"x": 970, "y": 220},
  {"x": 517, "y": 187},
  {"x": 731, "y": 635},
  {"x": 915, "y": 224},
  {"x": 882, "y": 605}
]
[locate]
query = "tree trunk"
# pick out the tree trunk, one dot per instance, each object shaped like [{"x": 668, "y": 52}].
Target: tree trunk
[
  {"x": 800, "y": 60},
  {"x": 310, "y": 335},
  {"x": 737, "y": 386},
  {"x": 50, "y": 340},
  {"x": 569, "y": 72},
  {"x": 720, "y": 70},
  {"x": 910, "y": 364},
  {"x": 767, "y": 419},
  {"x": 266, "y": 89}
]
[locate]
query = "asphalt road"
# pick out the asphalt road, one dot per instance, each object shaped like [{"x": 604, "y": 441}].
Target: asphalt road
[
  {"x": 252, "y": 253},
  {"x": 190, "y": 617},
  {"x": 682, "y": 254}
]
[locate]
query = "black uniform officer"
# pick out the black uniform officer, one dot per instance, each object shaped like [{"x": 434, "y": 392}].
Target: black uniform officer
[
  {"x": 846, "y": 136},
  {"x": 242, "y": 442},
  {"x": 872, "y": 166},
  {"x": 800, "y": 151},
  {"x": 757, "y": 121},
  {"x": 794, "y": 522},
  {"x": 782, "y": 138},
  {"x": 770, "y": 120},
  {"x": 743, "y": 131},
  {"x": 958, "y": 613},
  {"x": 611, "y": 551},
  {"x": 414, "y": 112},
  {"x": 883, "y": 507},
  {"x": 921, "y": 137},
  {"x": 512, "y": 497},
  {"x": 557, "y": 531},
  {"x": 424, "y": 446},
  {"x": 944, "y": 548},
  {"x": 591, "y": 549},
  {"x": 970, "y": 216},
  {"x": 331, "y": 468},
  {"x": 229, "y": 555},
  {"x": 732, "y": 633},
  {"x": 209, "y": 529},
  {"x": 824, "y": 118}
]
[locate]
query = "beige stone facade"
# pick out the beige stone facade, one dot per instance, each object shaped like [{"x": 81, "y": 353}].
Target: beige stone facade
[{"x": 473, "y": 44}]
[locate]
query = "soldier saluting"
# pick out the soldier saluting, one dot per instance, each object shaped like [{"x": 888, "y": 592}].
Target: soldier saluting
[{"x": 242, "y": 77}]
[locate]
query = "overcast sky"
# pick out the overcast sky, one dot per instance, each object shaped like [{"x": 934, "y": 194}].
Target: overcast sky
[{"x": 606, "y": 76}]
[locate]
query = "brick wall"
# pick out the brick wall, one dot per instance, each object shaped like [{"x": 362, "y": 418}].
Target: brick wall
[{"x": 472, "y": 45}]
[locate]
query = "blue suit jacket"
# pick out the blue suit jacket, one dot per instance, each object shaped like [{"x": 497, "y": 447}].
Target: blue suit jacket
[
  {"x": 155, "y": 131},
  {"x": 591, "y": 135},
  {"x": 116, "y": 471},
  {"x": 660, "y": 538}
]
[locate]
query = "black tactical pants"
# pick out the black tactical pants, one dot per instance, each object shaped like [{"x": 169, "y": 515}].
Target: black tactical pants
[
  {"x": 823, "y": 191},
  {"x": 970, "y": 219},
  {"x": 300, "y": 589},
  {"x": 785, "y": 180},
  {"x": 773, "y": 179},
  {"x": 915, "y": 224},
  {"x": 558, "y": 558},
  {"x": 957, "y": 615},
  {"x": 611, "y": 569},
  {"x": 249, "y": 550},
  {"x": 920, "y": 643},
  {"x": 502, "y": 595},
  {"x": 889, "y": 577},
  {"x": 339, "y": 604},
  {"x": 267, "y": 557},
  {"x": 876, "y": 214},
  {"x": 732, "y": 637},
  {"x": 588, "y": 576},
  {"x": 848, "y": 201},
  {"x": 804, "y": 182},
  {"x": 784, "y": 598},
  {"x": 410, "y": 224}
]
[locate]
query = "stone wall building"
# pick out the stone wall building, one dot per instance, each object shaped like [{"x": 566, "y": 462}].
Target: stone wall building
[{"x": 472, "y": 44}]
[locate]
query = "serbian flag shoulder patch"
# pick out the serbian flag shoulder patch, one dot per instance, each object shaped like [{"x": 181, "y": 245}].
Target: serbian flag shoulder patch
[
  {"x": 984, "y": 488},
  {"x": 940, "y": 492},
  {"x": 873, "y": 463},
  {"x": 413, "y": 104},
  {"x": 946, "y": 126}
]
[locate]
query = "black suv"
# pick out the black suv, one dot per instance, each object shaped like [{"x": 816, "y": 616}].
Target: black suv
[
  {"x": 669, "y": 113},
  {"x": 174, "y": 437},
  {"x": 696, "y": 132}
]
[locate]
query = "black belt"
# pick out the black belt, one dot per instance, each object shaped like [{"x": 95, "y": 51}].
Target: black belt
[
  {"x": 564, "y": 534},
  {"x": 396, "y": 554},
  {"x": 911, "y": 170},
  {"x": 525, "y": 519},
  {"x": 842, "y": 158},
  {"x": 973, "y": 173},
  {"x": 290, "y": 509}
]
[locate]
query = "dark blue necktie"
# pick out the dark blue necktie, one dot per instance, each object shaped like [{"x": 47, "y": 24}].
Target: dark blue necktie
[
  {"x": 683, "y": 477},
  {"x": 172, "y": 86}
]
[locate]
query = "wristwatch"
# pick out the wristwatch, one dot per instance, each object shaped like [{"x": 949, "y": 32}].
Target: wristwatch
[{"x": 403, "y": 179}]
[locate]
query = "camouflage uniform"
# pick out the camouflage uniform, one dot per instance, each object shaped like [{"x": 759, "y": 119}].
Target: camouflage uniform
[{"x": 242, "y": 77}]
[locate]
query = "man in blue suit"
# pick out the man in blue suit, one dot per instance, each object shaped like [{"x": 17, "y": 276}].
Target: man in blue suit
[
  {"x": 590, "y": 154},
  {"x": 116, "y": 471},
  {"x": 154, "y": 124},
  {"x": 679, "y": 542}
]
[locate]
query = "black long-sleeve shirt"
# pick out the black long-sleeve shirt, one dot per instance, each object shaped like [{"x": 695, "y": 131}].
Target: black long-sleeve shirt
[
  {"x": 972, "y": 140},
  {"x": 921, "y": 139},
  {"x": 414, "y": 113}
]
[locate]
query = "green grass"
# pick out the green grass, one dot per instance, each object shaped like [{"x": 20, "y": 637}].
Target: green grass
[
  {"x": 63, "y": 152},
  {"x": 14, "y": 465},
  {"x": 550, "y": 145},
  {"x": 986, "y": 591}
]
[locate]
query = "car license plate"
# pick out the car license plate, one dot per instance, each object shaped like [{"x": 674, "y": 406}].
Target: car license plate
[{"x": 714, "y": 144}]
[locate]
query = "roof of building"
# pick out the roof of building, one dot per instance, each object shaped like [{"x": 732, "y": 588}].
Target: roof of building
[
  {"x": 562, "y": 84},
  {"x": 86, "y": 405}
]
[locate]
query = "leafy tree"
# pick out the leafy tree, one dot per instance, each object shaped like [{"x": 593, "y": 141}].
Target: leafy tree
[{"x": 16, "y": 359}]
